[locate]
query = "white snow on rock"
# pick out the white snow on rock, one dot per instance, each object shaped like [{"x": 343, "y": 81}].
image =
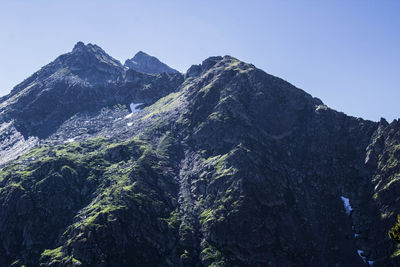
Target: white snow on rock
[
  {"x": 130, "y": 123},
  {"x": 70, "y": 140},
  {"x": 134, "y": 108},
  {"x": 128, "y": 116},
  {"x": 346, "y": 203},
  {"x": 361, "y": 254},
  {"x": 349, "y": 209}
]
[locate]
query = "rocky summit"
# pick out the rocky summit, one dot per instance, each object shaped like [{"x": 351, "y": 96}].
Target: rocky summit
[
  {"x": 225, "y": 165},
  {"x": 142, "y": 62}
]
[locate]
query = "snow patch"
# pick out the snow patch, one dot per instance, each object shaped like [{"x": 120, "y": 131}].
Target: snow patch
[
  {"x": 361, "y": 254},
  {"x": 349, "y": 209},
  {"x": 130, "y": 123},
  {"x": 347, "y": 206},
  {"x": 321, "y": 107},
  {"x": 129, "y": 115},
  {"x": 70, "y": 140},
  {"x": 134, "y": 108}
]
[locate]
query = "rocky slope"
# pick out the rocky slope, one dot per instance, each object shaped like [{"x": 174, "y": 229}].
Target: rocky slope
[{"x": 225, "y": 166}]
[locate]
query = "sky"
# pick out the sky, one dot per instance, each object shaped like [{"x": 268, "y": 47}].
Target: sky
[{"x": 347, "y": 53}]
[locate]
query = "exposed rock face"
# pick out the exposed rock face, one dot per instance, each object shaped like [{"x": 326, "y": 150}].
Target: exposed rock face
[
  {"x": 145, "y": 63},
  {"x": 13, "y": 143},
  {"x": 228, "y": 167}
]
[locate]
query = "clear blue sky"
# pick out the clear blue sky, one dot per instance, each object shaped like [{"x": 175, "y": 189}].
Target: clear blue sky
[{"x": 345, "y": 52}]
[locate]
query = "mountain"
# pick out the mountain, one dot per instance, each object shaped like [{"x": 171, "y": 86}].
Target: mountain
[
  {"x": 223, "y": 166},
  {"x": 145, "y": 63},
  {"x": 82, "y": 81}
]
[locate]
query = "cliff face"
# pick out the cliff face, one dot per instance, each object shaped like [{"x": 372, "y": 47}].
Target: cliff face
[{"x": 225, "y": 166}]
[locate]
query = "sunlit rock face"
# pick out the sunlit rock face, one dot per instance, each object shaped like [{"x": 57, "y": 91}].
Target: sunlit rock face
[{"x": 225, "y": 165}]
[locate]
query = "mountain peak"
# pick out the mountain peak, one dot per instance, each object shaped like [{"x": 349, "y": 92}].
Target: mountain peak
[
  {"x": 85, "y": 57},
  {"x": 79, "y": 45},
  {"x": 196, "y": 70},
  {"x": 80, "y": 49},
  {"x": 141, "y": 53},
  {"x": 143, "y": 62}
]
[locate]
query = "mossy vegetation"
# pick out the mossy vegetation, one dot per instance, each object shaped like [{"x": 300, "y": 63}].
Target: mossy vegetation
[
  {"x": 211, "y": 256},
  {"x": 54, "y": 256},
  {"x": 165, "y": 148},
  {"x": 394, "y": 232},
  {"x": 173, "y": 220},
  {"x": 117, "y": 177},
  {"x": 207, "y": 216},
  {"x": 388, "y": 161},
  {"x": 396, "y": 253},
  {"x": 57, "y": 257},
  {"x": 185, "y": 255},
  {"x": 54, "y": 253},
  {"x": 221, "y": 165},
  {"x": 164, "y": 104}
]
